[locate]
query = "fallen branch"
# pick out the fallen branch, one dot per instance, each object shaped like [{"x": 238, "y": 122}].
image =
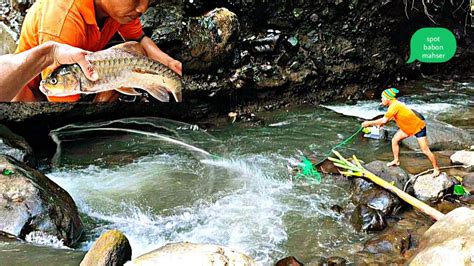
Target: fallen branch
[{"x": 356, "y": 169}]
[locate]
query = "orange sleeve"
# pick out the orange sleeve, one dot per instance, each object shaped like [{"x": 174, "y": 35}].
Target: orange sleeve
[
  {"x": 392, "y": 111},
  {"x": 132, "y": 30}
]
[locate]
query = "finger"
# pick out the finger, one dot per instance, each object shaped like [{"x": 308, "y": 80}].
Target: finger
[
  {"x": 176, "y": 66},
  {"x": 87, "y": 68}
]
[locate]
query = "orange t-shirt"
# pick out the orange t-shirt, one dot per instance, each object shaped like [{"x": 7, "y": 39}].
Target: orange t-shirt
[
  {"x": 71, "y": 22},
  {"x": 405, "y": 118}
]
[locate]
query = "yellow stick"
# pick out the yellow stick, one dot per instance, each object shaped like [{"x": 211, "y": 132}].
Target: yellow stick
[
  {"x": 435, "y": 214},
  {"x": 425, "y": 208}
]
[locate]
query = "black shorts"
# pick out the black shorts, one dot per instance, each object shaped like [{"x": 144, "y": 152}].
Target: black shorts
[{"x": 421, "y": 133}]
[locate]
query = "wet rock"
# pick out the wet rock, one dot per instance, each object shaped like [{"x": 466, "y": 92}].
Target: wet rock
[
  {"x": 210, "y": 39},
  {"x": 367, "y": 219},
  {"x": 8, "y": 238},
  {"x": 16, "y": 146},
  {"x": 318, "y": 261},
  {"x": 450, "y": 241},
  {"x": 389, "y": 174},
  {"x": 378, "y": 199},
  {"x": 111, "y": 248},
  {"x": 7, "y": 39},
  {"x": 289, "y": 261},
  {"x": 427, "y": 188},
  {"x": 463, "y": 157},
  {"x": 446, "y": 206},
  {"x": 468, "y": 182},
  {"x": 186, "y": 253},
  {"x": 336, "y": 261},
  {"x": 392, "y": 241},
  {"x": 21, "y": 5},
  {"x": 442, "y": 136},
  {"x": 163, "y": 23},
  {"x": 30, "y": 203}
]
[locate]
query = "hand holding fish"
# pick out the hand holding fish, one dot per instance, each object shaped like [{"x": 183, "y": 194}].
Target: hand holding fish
[
  {"x": 121, "y": 68},
  {"x": 63, "y": 54},
  {"x": 176, "y": 66}
]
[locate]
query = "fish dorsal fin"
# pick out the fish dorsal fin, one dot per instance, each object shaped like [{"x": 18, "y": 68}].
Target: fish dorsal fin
[
  {"x": 128, "y": 91},
  {"x": 130, "y": 47}
]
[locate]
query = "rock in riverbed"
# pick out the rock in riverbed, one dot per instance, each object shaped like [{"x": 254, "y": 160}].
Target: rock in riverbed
[
  {"x": 31, "y": 205},
  {"x": 193, "y": 254},
  {"x": 450, "y": 241},
  {"x": 111, "y": 248}
]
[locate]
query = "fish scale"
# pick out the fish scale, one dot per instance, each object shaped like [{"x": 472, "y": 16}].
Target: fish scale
[{"x": 118, "y": 68}]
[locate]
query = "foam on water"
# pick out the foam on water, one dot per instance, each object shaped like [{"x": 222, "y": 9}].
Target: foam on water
[
  {"x": 41, "y": 238},
  {"x": 370, "y": 109},
  {"x": 248, "y": 218}
]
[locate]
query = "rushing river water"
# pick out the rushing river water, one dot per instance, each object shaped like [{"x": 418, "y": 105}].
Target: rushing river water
[{"x": 228, "y": 186}]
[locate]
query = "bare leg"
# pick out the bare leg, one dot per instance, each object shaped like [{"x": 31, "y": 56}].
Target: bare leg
[
  {"x": 399, "y": 136},
  {"x": 423, "y": 142}
]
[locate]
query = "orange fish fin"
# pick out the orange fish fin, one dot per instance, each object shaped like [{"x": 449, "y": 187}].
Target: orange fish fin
[{"x": 128, "y": 91}]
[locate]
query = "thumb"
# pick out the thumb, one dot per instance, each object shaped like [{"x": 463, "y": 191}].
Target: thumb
[{"x": 87, "y": 68}]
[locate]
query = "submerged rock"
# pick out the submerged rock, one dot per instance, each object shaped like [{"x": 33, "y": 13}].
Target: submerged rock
[
  {"x": 111, "y": 248},
  {"x": 427, "y": 188},
  {"x": 289, "y": 261},
  {"x": 193, "y": 254},
  {"x": 367, "y": 219},
  {"x": 209, "y": 39},
  {"x": 31, "y": 204},
  {"x": 8, "y": 238},
  {"x": 16, "y": 147},
  {"x": 442, "y": 136},
  {"x": 392, "y": 241},
  {"x": 450, "y": 241}
]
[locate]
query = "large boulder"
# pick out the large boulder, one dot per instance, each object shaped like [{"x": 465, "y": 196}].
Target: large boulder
[
  {"x": 163, "y": 23},
  {"x": 209, "y": 39},
  {"x": 32, "y": 205},
  {"x": 463, "y": 157},
  {"x": 442, "y": 136},
  {"x": 16, "y": 146},
  {"x": 450, "y": 241},
  {"x": 427, "y": 188},
  {"x": 193, "y": 254},
  {"x": 389, "y": 174},
  {"x": 111, "y": 248}
]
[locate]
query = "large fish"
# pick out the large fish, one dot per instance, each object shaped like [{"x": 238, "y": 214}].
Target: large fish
[{"x": 120, "y": 68}]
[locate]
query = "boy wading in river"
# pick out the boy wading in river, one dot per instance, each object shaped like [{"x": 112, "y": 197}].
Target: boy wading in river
[{"x": 409, "y": 124}]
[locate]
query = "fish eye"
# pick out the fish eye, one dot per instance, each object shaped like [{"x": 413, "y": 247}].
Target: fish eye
[{"x": 53, "y": 81}]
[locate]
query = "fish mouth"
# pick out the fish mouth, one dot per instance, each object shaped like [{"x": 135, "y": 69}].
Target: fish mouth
[{"x": 43, "y": 89}]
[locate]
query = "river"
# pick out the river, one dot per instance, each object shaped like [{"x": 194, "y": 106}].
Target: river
[{"x": 229, "y": 186}]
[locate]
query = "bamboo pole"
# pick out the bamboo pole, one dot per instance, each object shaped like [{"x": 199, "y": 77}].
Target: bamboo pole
[{"x": 357, "y": 170}]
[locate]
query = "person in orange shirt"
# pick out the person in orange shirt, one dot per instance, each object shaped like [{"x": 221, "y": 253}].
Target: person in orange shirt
[
  {"x": 409, "y": 124},
  {"x": 89, "y": 25}
]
